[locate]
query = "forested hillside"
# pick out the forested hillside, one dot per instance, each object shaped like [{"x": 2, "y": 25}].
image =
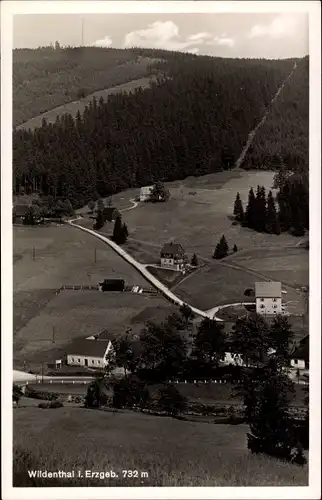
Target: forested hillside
[
  {"x": 194, "y": 121},
  {"x": 283, "y": 140},
  {"x": 49, "y": 77}
]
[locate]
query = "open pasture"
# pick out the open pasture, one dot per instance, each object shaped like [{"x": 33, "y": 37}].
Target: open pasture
[
  {"x": 78, "y": 314},
  {"x": 65, "y": 256},
  {"x": 180, "y": 454},
  {"x": 199, "y": 212},
  {"x": 214, "y": 285},
  {"x": 289, "y": 265}
]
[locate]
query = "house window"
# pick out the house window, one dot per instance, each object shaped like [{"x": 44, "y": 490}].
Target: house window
[
  {"x": 98, "y": 362},
  {"x": 93, "y": 361},
  {"x": 274, "y": 306},
  {"x": 72, "y": 359},
  {"x": 262, "y": 306},
  {"x": 274, "y": 300},
  {"x": 262, "y": 300},
  {"x": 79, "y": 360}
]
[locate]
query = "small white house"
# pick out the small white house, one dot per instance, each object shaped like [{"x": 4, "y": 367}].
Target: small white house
[
  {"x": 268, "y": 297},
  {"x": 173, "y": 257},
  {"x": 145, "y": 192},
  {"x": 90, "y": 353}
]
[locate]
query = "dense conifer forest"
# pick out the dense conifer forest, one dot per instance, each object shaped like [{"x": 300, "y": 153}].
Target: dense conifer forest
[
  {"x": 193, "y": 121},
  {"x": 283, "y": 140}
]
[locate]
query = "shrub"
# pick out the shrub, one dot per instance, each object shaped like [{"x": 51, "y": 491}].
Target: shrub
[
  {"x": 44, "y": 405},
  {"x": 56, "y": 404}
]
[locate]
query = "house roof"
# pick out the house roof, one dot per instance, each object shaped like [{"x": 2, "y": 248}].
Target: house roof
[
  {"x": 303, "y": 351},
  {"x": 91, "y": 348},
  {"x": 146, "y": 189},
  {"x": 268, "y": 289},
  {"x": 172, "y": 248}
]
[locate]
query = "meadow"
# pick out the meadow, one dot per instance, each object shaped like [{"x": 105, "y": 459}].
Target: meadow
[
  {"x": 66, "y": 256},
  {"x": 181, "y": 453}
]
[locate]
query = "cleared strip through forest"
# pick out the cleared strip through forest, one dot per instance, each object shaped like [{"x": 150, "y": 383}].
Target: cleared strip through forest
[{"x": 252, "y": 134}]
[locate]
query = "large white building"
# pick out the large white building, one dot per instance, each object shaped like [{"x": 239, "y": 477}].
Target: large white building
[
  {"x": 268, "y": 297},
  {"x": 92, "y": 353},
  {"x": 145, "y": 192}
]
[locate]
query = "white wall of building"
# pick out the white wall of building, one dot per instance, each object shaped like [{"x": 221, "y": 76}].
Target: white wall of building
[
  {"x": 145, "y": 192},
  {"x": 268, "y": 305},
  {"x": 298, "y": 363},
  {"x": 92, "y": 362},
  {"x": 168, "y": 263}
]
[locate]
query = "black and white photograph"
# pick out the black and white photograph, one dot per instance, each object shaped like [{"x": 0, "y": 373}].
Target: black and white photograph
[{"x": 161, "y": 248}]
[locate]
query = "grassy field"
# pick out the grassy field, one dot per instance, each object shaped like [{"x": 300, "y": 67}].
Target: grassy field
[
  {"x": 179, "y": 454},
  {"x": 197, "y": 221},
  {"x": 47, "y": 79},
  {"x": 64, "y": 255}
]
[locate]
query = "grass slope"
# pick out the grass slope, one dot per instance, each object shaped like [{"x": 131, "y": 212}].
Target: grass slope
[
  {"x": 44, "y": 79},
  {"x": 172, "y": 452}
]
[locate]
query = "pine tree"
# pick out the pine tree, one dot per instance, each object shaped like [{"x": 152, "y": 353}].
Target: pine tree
[
  {"x": 100, "y": 221},
  {"x": 235, "y": 249},
  {"x": 238, "y": 209},
  {"x": 194, "y": 260},
  {"x": 260, "y": 209},
  {"x": 272, "y": 222},
  {"x": 118, "y": 231},
  {"x": 221, "y": 249},
  {"x": 250, "y": 214},
  {"x": 125, "y": 232}
]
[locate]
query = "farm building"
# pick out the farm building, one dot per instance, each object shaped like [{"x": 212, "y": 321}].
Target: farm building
[
  {"x": 110, "y": 214},
  {"x": 91, "y": 353},
  {"x": 300, "y": 358},
  {"x": 268, "y": 297},
  {"x": 173, "y": 257},
  {"x": 145, "y": 192},
  {"x": 112, "y": 285}
]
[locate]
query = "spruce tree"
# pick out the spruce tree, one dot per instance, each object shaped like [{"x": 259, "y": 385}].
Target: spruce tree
[
  {"x": 238, "y": 209},
  {"x": 272, "y": 222},
  {"x": 235, "y": 248},
  {"x": 118, "y": 231},
  {"x": 250, "y": 213},
  {"x": 125, "y": 232},
  {"x": 221, "y": 249},
  {"x": 99, "y": 220},
  {"x": 260, "y": 209},
  {"x": 194, "y": 260}
]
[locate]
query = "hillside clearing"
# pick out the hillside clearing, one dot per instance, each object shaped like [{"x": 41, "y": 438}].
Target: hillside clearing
[{"x": 178, "y": 454}]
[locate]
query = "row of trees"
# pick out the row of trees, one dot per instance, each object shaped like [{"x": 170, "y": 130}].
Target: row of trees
[
  {"x": 264, "y": 384},
  {"x": 49, "y": 208},
  {"x": 148, "y": 135},
  {"x": 262, "y": 215}
]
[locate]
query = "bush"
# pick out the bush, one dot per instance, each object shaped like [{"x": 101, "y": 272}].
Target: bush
[
  {"x": 44, "y": 405},
  {"x": 56, "y": 404}
]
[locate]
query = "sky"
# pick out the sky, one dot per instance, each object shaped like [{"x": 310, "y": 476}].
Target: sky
[{"x": 265, "y": 35}]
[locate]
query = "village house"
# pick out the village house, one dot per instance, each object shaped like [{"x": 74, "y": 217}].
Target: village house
[
  {"x": 89, "y": 353},
  {"x": 300, "y": 357},
  {"x": 145, "y": 192},
  {"x": 268, "y": 297},
  {"x": 173, "y": 257}
]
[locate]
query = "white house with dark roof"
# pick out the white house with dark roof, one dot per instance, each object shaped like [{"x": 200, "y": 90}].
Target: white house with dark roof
[
  {"x": 173, "y": 257},
  {"x": 268, "y": 297},
  {"x": 91, "y": 353},
  {"x": 145, "y": 192}
]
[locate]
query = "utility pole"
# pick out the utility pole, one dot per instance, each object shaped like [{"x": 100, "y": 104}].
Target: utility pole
[
  {"x": 33, "y": 253},
  {"x": 54, "y": 332},
  {"x": 42, "y": 373},
  {"x": 95, "y": 256}
]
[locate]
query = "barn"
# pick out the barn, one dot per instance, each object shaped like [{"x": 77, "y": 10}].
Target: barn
[{"x": 112, "y": 285}]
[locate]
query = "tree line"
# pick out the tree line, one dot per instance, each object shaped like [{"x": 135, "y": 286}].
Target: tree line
[
  {"x": 292, "y": 214},
  {"x": 194, "y": 120},
  {"x": 262, "y": 381}
]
